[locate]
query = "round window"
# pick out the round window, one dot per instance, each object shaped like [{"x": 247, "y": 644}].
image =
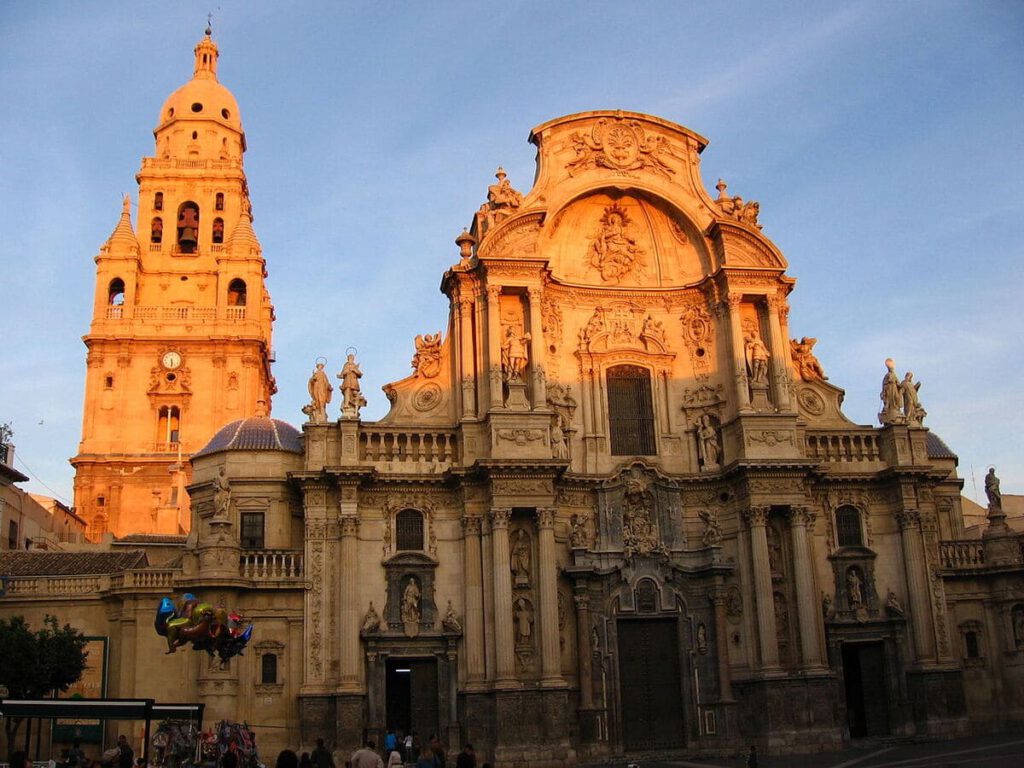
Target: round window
[
  {"x": 225, "y": 114},
  {"x": 197, "y": 107},
  {"x": 170, "y": 112}
]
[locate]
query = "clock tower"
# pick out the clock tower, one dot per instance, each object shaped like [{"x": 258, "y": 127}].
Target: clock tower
[{"x": 179, "y": 343}]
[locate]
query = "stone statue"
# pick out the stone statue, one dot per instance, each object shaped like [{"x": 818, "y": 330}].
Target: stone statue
[
  {"x": 892, "y": 604},
  {"x": 578, "y": 531},
  {"x": 352, "y": 397},
  {"x": 826, "y": 605},
  {"x": 320, "y": 390},
  {"x": 411, "y": 603},
  {"x": 451, "y": 620},
  {"x": 912, "y": 410},
  {"x": 654, "y": 329},
  {"x": 371, "y": 622},
  {"x": 890, "y": 395},
  {"x": 712, "y": 535},
  {"x": 614, "y": 252},
  {"x": 559, "y": 446},
  {"x": 521, "y": 557},
  {"x": 502, "y": 199},
  {"x": 639, "y": 536},
  {"x": 702, "y": 638},
  {"x": 708, "y": 442},
  {"x": 735, "y": 208},
  {"x": 221, "y": 496},
  {"x": 757, "y": 358},
  {"x": 513, "y": 354},
  {"x": 995, "y": 498},
  {"x": 806, "y": 363},
  {"x": 523, "y": 621},
  {"x": 854, "y": 595},
  {"x": 427, "y": 360}
]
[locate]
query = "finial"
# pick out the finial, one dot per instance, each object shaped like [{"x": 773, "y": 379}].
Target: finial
[
  {"x": 126, "y": 205},
  {"x": 721, "y": 186},
  {"x": 209, "y": 24},
  {"x": 500, "y": 173}
]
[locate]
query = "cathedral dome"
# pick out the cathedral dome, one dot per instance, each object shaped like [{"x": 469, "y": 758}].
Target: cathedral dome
[
  {"x": 257, "y": 433},
  {"x": 203, "y": 97}
]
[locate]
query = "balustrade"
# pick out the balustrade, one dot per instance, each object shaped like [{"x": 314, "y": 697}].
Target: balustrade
[
  {"x": 969, "y": 553},
  {"x": 271, "y": 564},
  {"x": 843, "y": 447},
  {"x": 408, "y": 446}
]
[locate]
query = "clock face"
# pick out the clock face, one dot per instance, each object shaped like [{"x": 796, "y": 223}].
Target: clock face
[{"x": 171, "y": 360}]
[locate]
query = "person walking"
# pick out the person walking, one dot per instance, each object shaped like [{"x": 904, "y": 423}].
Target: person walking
[
  {"x": 125, "y": 755},
  {"x": 367, "y": 757},
  {"x": 466, "y": 758},
  {"x": 426, "y": 758},
  {"x": 322, "y": 757},
  {"x": 752, "y": 757}
]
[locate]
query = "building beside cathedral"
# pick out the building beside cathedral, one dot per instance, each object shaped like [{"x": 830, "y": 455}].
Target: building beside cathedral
[{"x": 616, "y": 507}]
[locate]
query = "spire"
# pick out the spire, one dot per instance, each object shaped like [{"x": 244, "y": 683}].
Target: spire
[
  {"x": 123, "y": 237},
  {"x": 206, "y": 57},
  {"x": 243, "y": 237}
]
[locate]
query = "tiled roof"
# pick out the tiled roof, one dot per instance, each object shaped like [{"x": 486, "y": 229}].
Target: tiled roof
[
  {"x": 69, "y": 563},
  {"x": 151, "y": 538},
  {"x": 937, "y": 449},
  {"x": 257, "y": 433}
]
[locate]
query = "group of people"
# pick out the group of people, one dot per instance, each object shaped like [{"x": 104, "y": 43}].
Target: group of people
[{"x": 397, "y": 752}]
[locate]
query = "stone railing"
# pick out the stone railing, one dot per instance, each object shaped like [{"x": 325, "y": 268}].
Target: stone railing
[
  {"x": 166, "y": 162},
  {"x": 271, "y": 564},
  {"x": 843, "y": 447},
  {"x": 174, "y": 314},
  {"x": 408, "y": 446},
  {"x": 966, "y": 553},
  {"x": 54, "y": 586},
  {"x": 148, "y": 578},
  {"x": 235, "y": 313}
]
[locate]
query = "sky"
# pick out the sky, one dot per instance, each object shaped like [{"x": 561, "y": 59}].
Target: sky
[{"x": 884, "y": 142}]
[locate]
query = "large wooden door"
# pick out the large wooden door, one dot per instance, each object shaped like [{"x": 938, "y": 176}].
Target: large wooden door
[
  {"x": 867, "y": 700},
  {"x": 412, "y": 696},
  {"x": 650, "y": 684}
]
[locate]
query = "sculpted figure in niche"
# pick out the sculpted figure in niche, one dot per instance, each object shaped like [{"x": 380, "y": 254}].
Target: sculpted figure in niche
[
  {"x": 411, "y": 602},
  {"x": 352, "y": 397},
  {"x": 912, "y": 410},
  {"x": 638, "y": 533},
  {"x": 890, "y": 395},
  {"x": 653, "y": 328},
  {"x": 320, "y": 391},
  {"x": 826, "y": 605},
  {"x": 371, "y": 622},
  {"x": 578, "y": 531},
  {"x": 521, "y": 557},
  {"x": 614, "y": 252},
  {"x": 559, "y": 445},
  {"x": 513, "y": 354},
  {"x": 995, "y": 497},
  {"x": 807, "y": 364},
  {"x": 702, "y": 638},
  {"x": 892, "y": 604},
  {"x": 427, "y": 360},
  {"x": 451, "y": 620},
  {"x": 757, "y": 358},
  {"x": 221, "y": 496},
  {"x": 523, "y": 621},
  {"x": 709, "y": 443},
  {"x": 854, "y": 594},
  {"x": 712, "y": 535}
]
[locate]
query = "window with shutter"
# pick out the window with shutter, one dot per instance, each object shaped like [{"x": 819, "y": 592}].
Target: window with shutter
[{"x": 630, "y": 411}]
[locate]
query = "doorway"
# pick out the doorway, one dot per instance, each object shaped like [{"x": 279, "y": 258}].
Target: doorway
[
  {"x": 867, "y": 699},
  {"x": 411, "y": 697},
  {"x": 650, "y": 683}
]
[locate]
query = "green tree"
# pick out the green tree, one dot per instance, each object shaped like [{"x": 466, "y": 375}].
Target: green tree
[{"x": 37, "y": 664}]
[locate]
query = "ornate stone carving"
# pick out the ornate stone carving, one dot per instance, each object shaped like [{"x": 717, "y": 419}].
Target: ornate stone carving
[
  {"x": 320, "y": 391},
  {"x": 735, "y": 208},
  {"x": 810, "y": 401},
  {"x": 502, "y": 199},
  {"x": 579, "y": 533},
  {"x": 769, "y": 437},
  {"x": 712, "y": 535},
  {"x": 371, "y": 621},
  {"x": 551, "y": 319},
  {"x": 471, "y": 525},
  {"x": 509, "y": 487},
  {"x": 520, "y": 436},
  {"x": 619, "y": 145},
  {"x": 756, "y": 515},
  {"x": 639, "y": 534},
  {"x": 913, "y": 412},
  {"x": 451, "y": 622},
  {"x": 427, "y": 397},
  {"x": 520, "y": 557},
  {"x": 427, "y": 360},
  {"x": 410, "y": 607},
  {"x": 546, "y": 517},
  {"x": 757, "y": 357},
  {"x": 709, "y": 443},
  {"x": 559, "y": 442},
  {"x": 352, "y": 397},
  {"x": 500, "y": 517},
  {"x": 992, "y": 492},
  {"x": 514, "y": 355},
  {"x": 908, "y": 518},
  {"x": 803, "y": 357},
  {"x": 614, "y": 251},
  {"x": 703, "y": 396}
]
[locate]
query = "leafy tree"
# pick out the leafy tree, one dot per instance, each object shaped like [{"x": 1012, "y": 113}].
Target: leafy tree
[{"x": 38, "y": 664}]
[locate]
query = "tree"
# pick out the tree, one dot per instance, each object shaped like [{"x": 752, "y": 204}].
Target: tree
[{"x": 38, "y": 664}]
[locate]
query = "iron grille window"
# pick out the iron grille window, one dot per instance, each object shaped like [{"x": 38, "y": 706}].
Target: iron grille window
[
  {"x": 268, "y": 669},
  {"x": 252, "y": 530},
  {"x": 409, "y": 529},
  {"x": 971, "y": 641},
  {"x": 630, "y": 411},
  {"x": 848, "y": 527}
]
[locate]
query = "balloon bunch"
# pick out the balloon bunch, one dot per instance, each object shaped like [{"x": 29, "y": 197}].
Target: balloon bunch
[{"x": 209, "y": 628}]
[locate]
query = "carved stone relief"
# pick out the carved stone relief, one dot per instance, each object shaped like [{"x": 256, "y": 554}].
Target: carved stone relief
[
  {"x": 427, "y": 360},
  {"x": 618, "y": 144},
  {"x": 614, "y": 251}
]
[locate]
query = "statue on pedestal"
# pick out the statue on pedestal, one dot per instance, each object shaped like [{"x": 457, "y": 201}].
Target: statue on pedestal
[
  {"x": 352, "y": 397},
  {"x": 320, "y": 391},
  {"x": 890, "y": 395},
  {"x": 912, "y": 410},
  {"x": 995, "y": 497}
]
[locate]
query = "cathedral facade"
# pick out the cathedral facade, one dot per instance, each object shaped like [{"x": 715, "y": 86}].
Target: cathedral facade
[{"x": 616, "y": 507}]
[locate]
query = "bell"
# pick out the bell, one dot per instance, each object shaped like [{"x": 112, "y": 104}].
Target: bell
[{"x": 187, "y": 238}]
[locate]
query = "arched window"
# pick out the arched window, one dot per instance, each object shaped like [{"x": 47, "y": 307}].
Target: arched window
[
  {"x": 169, "y": 425},
  {"x": 158, "y": 201},
  {"x": 848, "y": 532},
  {"x": 971, "y": 645},
  {"x": 218, "y": 230},
  {"x": 219, "y": 204},
  {"x": 236, "y": 293},
  {"x": 188, "y": 227},
  {"x": 156, "y": 230},
  {"x": 115, "y": 292},
  {"x": 630, "y": 411},
  {"x": 268, "y": 669},
  {"x": 408, "y": 530},
  {"x": 646, "y": 596}
]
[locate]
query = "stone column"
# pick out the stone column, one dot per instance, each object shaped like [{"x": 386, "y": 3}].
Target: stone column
[
  {"x": 739, "y": 357},
  {"x": 909, "y": 521},
  {"x": 474, "y": 637},
  {"x": 757, "y": 519},
  {"x": 582, "y": 601},
  {"x": 317, "y": 605},
  {"x": 719, "y": 600},
  {"x": 504, "y": 642},
  {"x": 349, "y": 613},
  {"x": 780, "y": 355},
  {"x": 494, "y": 344},
  {"x": 551, "y": 663},
  {"x": 808, "y": 613},
  {"x": 539, "y": 397},
  {"x": 467, "y": 372}
]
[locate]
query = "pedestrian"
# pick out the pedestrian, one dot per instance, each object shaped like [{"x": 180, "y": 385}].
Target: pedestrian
[
  {"x": 390, "y": 741},
  {"x": 409, "y": 756},
  {"x": 426, "y": 758},
  {"x": 440, "y": 758},
  {"x": 125, "y": 755},
  {"x": 394, "y": 759},
  {"x": 322, "y": 757},
  {"x": 367, "y": 757},
  {"x": 305, "y": 761},
  {"x": 752, "y": 757},
  {"x": 76, "y": 757},
  {"x": 466, "y": 758},
  {"x": 287, "y": 759}
]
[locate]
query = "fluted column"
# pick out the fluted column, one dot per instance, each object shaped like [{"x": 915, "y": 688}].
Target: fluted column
[
  {"x": 582, "y": 601},
  {"x": 494, "y": 344},
  {"x": 739, "y": 358},
  {"x": 780, "y": 355},
  {"x": 504, "y": 642},
  {"x": 349, "y": 613},
  {"x": 920, "y": 611},
  {"x": 808, "y": 615},
  {"x": 551, "y": 666},
  {"x": 757, "y": 519},
  {"x": 474, "y": 636},
  {"x": 467, "y": 374},
  {"x": 719, "y": 600},
  {"x": 538, "y": 354}
]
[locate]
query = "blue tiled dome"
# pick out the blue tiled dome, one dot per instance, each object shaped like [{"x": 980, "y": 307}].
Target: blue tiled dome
[{"x": 257, "y": 433}]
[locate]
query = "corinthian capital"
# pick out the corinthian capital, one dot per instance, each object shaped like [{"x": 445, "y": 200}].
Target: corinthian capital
[
  {"x": 546, "y": 517},
  {"x": 802, "y": 516},
  {"x": 908, "y": 518},
  {"x": 500, "y": 517},
  {"x": 471, "y": 525},
  {"x": 756, "y": 516}
]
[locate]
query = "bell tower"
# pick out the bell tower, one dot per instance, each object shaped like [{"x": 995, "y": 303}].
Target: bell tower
[{"x": 179, "y": 343}]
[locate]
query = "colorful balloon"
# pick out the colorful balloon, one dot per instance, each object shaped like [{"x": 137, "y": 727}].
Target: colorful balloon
[{"x": 209, "y": 628}]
